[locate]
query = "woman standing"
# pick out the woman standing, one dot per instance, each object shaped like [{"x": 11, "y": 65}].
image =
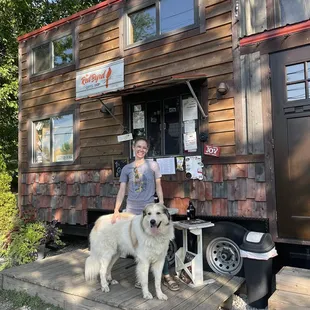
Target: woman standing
[{"x": 143, "y": 178}]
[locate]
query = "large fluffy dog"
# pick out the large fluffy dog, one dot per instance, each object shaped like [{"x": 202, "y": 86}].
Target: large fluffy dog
[{"x": 145, "y": 236}]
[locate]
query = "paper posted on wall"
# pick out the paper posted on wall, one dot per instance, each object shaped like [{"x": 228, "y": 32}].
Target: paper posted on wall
[
  {"x": 190, "y": 141},
  {"x": 193, "y": 166},
  {"x": 138, "y": 120},
  {"x": 166, "y": 165},
  {"x": 190, "y": 110}
]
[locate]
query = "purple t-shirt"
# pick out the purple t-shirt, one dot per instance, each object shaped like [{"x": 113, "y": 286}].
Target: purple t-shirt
[{"x": 141, "y": 184}]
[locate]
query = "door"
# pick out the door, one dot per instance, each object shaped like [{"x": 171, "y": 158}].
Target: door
[{"x": 290, "y": 80}]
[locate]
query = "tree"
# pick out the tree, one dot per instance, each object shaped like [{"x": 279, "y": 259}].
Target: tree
[{"x": 18, "y": 17}]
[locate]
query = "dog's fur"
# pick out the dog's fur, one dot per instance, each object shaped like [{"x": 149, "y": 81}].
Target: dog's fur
[{"x": 145, "y": 236}]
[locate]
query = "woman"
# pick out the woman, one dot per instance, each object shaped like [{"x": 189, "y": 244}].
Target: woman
[{"x": 143, "y": 179}]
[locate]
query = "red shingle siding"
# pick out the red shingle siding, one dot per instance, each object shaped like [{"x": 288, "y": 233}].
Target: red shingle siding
[{"x": 227, "y": 190}]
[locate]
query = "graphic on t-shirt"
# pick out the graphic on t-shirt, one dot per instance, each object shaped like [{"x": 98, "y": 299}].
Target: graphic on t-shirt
[{"x": 139, "y": 181}]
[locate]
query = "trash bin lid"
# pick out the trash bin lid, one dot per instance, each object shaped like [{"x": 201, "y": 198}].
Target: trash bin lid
[{"x": 257, "y": 242}]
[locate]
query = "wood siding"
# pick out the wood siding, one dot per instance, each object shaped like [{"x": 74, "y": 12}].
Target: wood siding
[{"x": 227, "y": 189}]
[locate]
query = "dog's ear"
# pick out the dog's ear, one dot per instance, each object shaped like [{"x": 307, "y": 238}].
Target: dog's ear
[{"x": 167, "y": 213}]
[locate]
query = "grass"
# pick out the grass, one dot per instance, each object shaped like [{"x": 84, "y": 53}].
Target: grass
[{"x": 14, "y": 300}]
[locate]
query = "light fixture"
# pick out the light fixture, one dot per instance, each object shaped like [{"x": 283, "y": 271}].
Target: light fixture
[
  {"x": 107, "y": 108},
  {"x": 223, "y": 88}
]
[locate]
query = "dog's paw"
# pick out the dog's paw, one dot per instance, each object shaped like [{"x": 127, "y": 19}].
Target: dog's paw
[
  {"x": 113, "y": 282},
  {"x": 162, "y": 296},
  {"x": 105, "y": 288},
  {"x": 147, "y": 295}
]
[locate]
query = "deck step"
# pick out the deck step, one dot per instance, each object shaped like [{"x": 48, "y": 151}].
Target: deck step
[
  {"x": 292, "y": 290},
  {"x": 283, "y": 300},
  {"x": 295, "y": 280}
]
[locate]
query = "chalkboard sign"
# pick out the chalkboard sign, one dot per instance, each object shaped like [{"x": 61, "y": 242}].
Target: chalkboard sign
[{"x": 117, "y": 166}]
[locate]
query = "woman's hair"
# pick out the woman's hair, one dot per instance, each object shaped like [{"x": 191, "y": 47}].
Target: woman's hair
[{"x": 141, "y": 139}]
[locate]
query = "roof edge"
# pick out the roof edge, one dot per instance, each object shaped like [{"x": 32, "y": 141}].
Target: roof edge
[{"x": 67, "y": 19}]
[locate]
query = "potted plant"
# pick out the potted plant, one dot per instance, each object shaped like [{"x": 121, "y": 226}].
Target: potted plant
[{"x": 52, "y": 235}]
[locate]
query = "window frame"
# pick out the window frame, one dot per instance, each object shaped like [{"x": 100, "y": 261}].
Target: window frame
[
  {"x": 51, "y": 52},
  {"x": 31, "y": 136},
  {"x": 145, "y": 5},
  {"x": 162, "y": 95}
]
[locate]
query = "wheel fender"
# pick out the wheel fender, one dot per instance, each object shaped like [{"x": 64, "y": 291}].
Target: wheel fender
[{"x": 228, "y": 230}]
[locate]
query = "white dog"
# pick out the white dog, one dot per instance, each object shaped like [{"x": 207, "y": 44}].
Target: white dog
[{"x": 145, "y": 236}]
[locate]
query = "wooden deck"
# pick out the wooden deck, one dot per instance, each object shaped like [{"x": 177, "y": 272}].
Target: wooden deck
[
  {"x": 292, "y": 290},
  {"x": 59, "y": 280}
]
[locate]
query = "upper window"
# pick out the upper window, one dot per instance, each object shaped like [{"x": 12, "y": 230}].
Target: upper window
[
  {"x": 170, "y": 125},
  {"x": 52, "y": 140},
  {"x": 160, "y": 18},
  {"x": 53, "y": 55},
  {"x": 293, "y": 11}
]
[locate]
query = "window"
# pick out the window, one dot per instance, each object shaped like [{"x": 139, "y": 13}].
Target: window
[
  {"x": 53, "y": 55},
  {"x": 298, "y": 81},
  {"x": 160, "y": 18},
  {"x": 52, "y": 140},
  {"x": 161, "y": 122},
  {"x": 290, "y": 12}
]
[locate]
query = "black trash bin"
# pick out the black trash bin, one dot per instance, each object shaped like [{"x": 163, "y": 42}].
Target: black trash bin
[{"x": 257, "y": 251}]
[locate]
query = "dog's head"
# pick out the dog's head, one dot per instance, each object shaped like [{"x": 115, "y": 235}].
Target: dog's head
[{"x": 156, "y": 219}]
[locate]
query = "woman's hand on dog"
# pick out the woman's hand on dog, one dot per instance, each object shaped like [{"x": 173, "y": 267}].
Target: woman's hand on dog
[{"x": 115, "y": 216}]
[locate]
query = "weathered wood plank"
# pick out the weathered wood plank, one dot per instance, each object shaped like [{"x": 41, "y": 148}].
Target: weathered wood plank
[
  {"x": 99, "y": 21},
  {"x": 295, "y": 280},
  {"x": 63, "y": 300},
  {"x": 283, "y": 300},
  {"x": 212, "y": 35},
  {"x": 221, "y": 126},
  {"x": 223, "y": 104},
  {"x": 222, "y": 138},
  {"x": 224, "y": 115},
  {"x": 179, "y": 55},
  {"x": 254, "y": 106},
  {"x": 213, "y": 59},
  {"x": 218, "y": 9},
  {"x": 102, "y": 48},
  {"x": 105, "y": 37},
  {"x": 224, "y": 292},
  {"x": 218, "y": 21},
  {"x": 100, "y": 58}
]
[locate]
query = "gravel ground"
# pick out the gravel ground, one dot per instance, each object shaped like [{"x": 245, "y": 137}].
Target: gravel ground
[{"x": 239, "y": 302}]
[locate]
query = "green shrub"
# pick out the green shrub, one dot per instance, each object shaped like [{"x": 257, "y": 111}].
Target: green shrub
[
  {"x": 24, "y": 244},
  {"x": 8, "y": 206}
]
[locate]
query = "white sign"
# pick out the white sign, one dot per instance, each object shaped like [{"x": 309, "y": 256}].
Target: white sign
[
  {"x": 166, "y": 165},
  {"x": 125, "y": 137},
  {"x": 190, "y": 110},
  {"x": 190, "y": 141},
  {"x": 100, "y": 79},
  {"x": 193, "y": 166}
]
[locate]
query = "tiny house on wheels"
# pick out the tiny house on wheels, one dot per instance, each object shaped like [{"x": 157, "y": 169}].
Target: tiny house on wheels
[{"x": 219, "y": 87}]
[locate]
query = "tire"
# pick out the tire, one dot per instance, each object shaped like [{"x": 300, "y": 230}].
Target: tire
[{"x": 221, "y": 252}]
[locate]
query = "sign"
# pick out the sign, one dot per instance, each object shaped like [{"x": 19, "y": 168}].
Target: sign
[
  {"x": 125, "y": 137},
  {"x": 211, "y": 150},
  {"x": 100, "y": 79},
  {"x": 117, "y": 166}
]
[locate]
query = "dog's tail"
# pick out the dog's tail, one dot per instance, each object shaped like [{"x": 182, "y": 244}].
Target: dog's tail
[{"x": 92, "y": 268}]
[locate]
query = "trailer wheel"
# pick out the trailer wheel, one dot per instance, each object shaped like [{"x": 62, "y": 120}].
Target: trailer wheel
[{"x": 221, "y": 248}]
